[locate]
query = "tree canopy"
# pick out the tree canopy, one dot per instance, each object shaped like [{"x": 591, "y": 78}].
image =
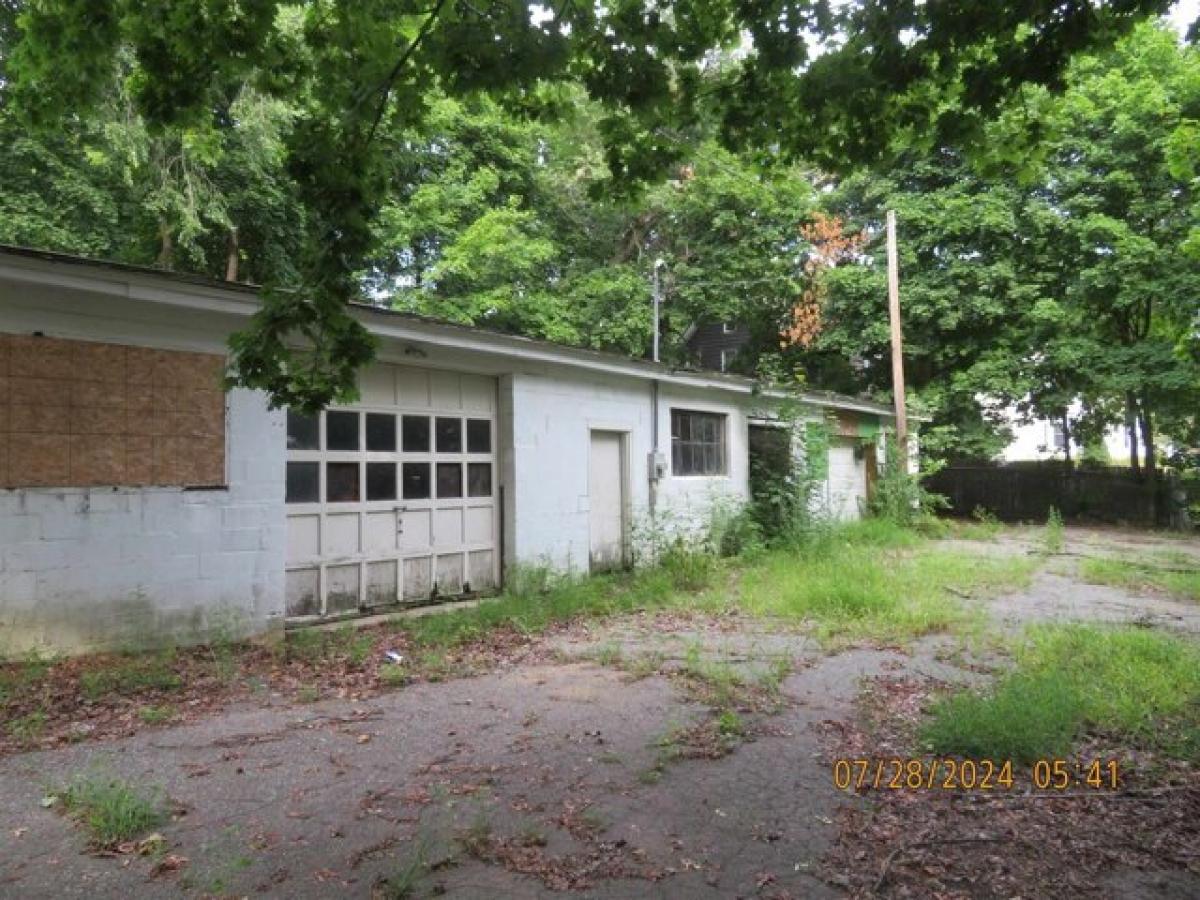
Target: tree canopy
[
  {"x": 1039, "y": 282},
  {"x": 308, "y": 106}
]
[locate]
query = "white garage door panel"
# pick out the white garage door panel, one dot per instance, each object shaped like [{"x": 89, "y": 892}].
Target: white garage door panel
[
  {"x": 447, "y": 528},
  {"x": 478, "y": 393},
  {"x": 379, "y": 532},
  {"x": 418, "y": 530},
  {"x": 412, "y": 388},
  {"x": 479, "y": 525},
  {"x": 394, "y": 499},
  {"x": 304, "y": 537},
  {"x": 341, "y": 535}
]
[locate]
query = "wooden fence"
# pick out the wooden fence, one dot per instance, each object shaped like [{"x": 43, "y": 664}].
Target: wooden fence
[{"x": 1025, "y": 493}]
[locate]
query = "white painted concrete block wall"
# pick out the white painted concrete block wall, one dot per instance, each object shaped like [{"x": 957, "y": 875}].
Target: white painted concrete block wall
[
  {"x": 103, "y": 568},
  {"x": 545, "y": 468}
]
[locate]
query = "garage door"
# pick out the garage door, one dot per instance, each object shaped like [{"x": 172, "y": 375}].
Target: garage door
[
  {"x": 393, "y": 500},
  {"x": 847, "y": 480}
]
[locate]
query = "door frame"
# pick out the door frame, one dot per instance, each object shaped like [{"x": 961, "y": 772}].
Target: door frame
[{"x": 623, "y": 434}]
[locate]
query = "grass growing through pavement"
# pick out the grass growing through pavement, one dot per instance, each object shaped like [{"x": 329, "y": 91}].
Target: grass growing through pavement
[
  {"x": 532, "y": 610},
  {"x": 875, "y": 582},
  {"x": 864, "y": 580},
  {"x": 112, "y": 810},
  {"x": 1138, "y": 684},
  {"x": 1137, "y": 576}
]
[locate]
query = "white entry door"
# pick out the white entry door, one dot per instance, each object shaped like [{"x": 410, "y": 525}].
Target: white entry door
[
  {"x": 393, "y": 500},
  {"x": 606, "y": 499},
  {"x": 847, "y": 480}
]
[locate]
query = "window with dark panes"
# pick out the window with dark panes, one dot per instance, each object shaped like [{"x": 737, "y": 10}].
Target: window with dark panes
[
  {"x": 341, "y": 482},
  {"x": 381, "y": 481},
  {"x": 341, "y": 431},
  {"x": 697, "y": 443},
  {"x": 303, "y": 432},
  {"x": 449, "y": 435},
  {"x": 303, "y": 482},
  {"x": 479, "y": 479},
  {"x": 381, "y": 433},
  {"x": 416, "y": 481},
  {"x": 449, "y": 480},
  {"x": 414, "y": 433},
  {"x": 479, "y": 436}
]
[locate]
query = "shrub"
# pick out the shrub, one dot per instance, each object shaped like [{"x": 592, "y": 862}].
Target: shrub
[
  {"x": 733, "y": 530},
  {"x": 690, "y": 564},
  {"x": 899, "y": 495}
]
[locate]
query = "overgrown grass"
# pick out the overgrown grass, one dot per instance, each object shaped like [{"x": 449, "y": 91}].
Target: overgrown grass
[
  {"x": 856, "y": 584},
  {"x": 156, "y": 715},
  {"x": 27, "y": 728},
  {"x": 531, "y": 611},
  {"x": 1139, "y": 576},
  {"x": 1138, "y": 684},
  {"x": 131, "y": 675},
  {"x": 983, "y": 526},
  {"x": 112, "y": 810},
  {"x": 866, "y": 579},
  {"x": 17, "y": 678},
  {"x": 314, "y": 645}
]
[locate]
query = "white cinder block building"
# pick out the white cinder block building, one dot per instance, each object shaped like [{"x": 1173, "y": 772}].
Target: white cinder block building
[{"x": 141, "y": 504}]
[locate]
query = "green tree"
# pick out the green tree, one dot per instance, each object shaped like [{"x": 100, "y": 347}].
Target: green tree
[
  {"x": 1040, "y": 281},
  {"x": 1112, "y": 213},
  {"x": 362, "y": 68}
]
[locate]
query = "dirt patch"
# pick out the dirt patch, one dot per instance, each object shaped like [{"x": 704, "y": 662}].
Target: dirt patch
[{"x": 103, "y": 697}]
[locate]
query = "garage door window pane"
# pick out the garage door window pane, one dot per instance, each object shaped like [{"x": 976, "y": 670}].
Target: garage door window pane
[
  {"x": 415, "y": 434},
  {"x": 381, "y": 433},
  {"x": 341, "y": 431},
  {"x": 449, "y": 435},
  {"x": 341, "y": 482},
  {"x": 303, "y": 432},
  {"x": 302, "y": 482},
  {"x": 416, "y": 481},
  {"x": 449, "y": 480},
  {"x": 381, "y": 481},
  {"x": 479, "y": 479},
  {"x": 479, "y": 436}
]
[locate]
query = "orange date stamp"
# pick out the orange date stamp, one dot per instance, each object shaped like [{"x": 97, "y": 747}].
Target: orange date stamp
[{"x": 950, "y": 774}]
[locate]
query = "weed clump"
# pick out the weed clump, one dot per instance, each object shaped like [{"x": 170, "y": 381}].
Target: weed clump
[
  {"x": 1137, "y": 684},
  {"x": 112, "y": 810}
]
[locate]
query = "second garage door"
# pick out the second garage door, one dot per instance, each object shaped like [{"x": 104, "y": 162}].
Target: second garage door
[{"x": 393, "y": 500}]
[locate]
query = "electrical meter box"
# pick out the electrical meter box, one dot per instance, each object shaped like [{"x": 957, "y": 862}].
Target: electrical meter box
[{"x": 658, "y": 466}]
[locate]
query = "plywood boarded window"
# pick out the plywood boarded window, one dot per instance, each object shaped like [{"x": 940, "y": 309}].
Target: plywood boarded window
[{"x": 82, "y": 413}]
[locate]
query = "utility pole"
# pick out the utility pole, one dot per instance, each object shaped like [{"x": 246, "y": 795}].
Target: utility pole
[
  {"x": 658, "y": 266},
  {"x": 893, "y": 279}
]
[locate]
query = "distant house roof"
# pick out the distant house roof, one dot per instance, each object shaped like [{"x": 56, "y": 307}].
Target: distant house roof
[{"x": 151, "y": 284}]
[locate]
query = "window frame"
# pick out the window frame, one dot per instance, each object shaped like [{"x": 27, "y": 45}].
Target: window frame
[{"x": 678, "y": 443}]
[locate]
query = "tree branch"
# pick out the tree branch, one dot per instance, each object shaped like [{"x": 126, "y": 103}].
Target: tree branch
[{"x": 389, "y": 82}]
